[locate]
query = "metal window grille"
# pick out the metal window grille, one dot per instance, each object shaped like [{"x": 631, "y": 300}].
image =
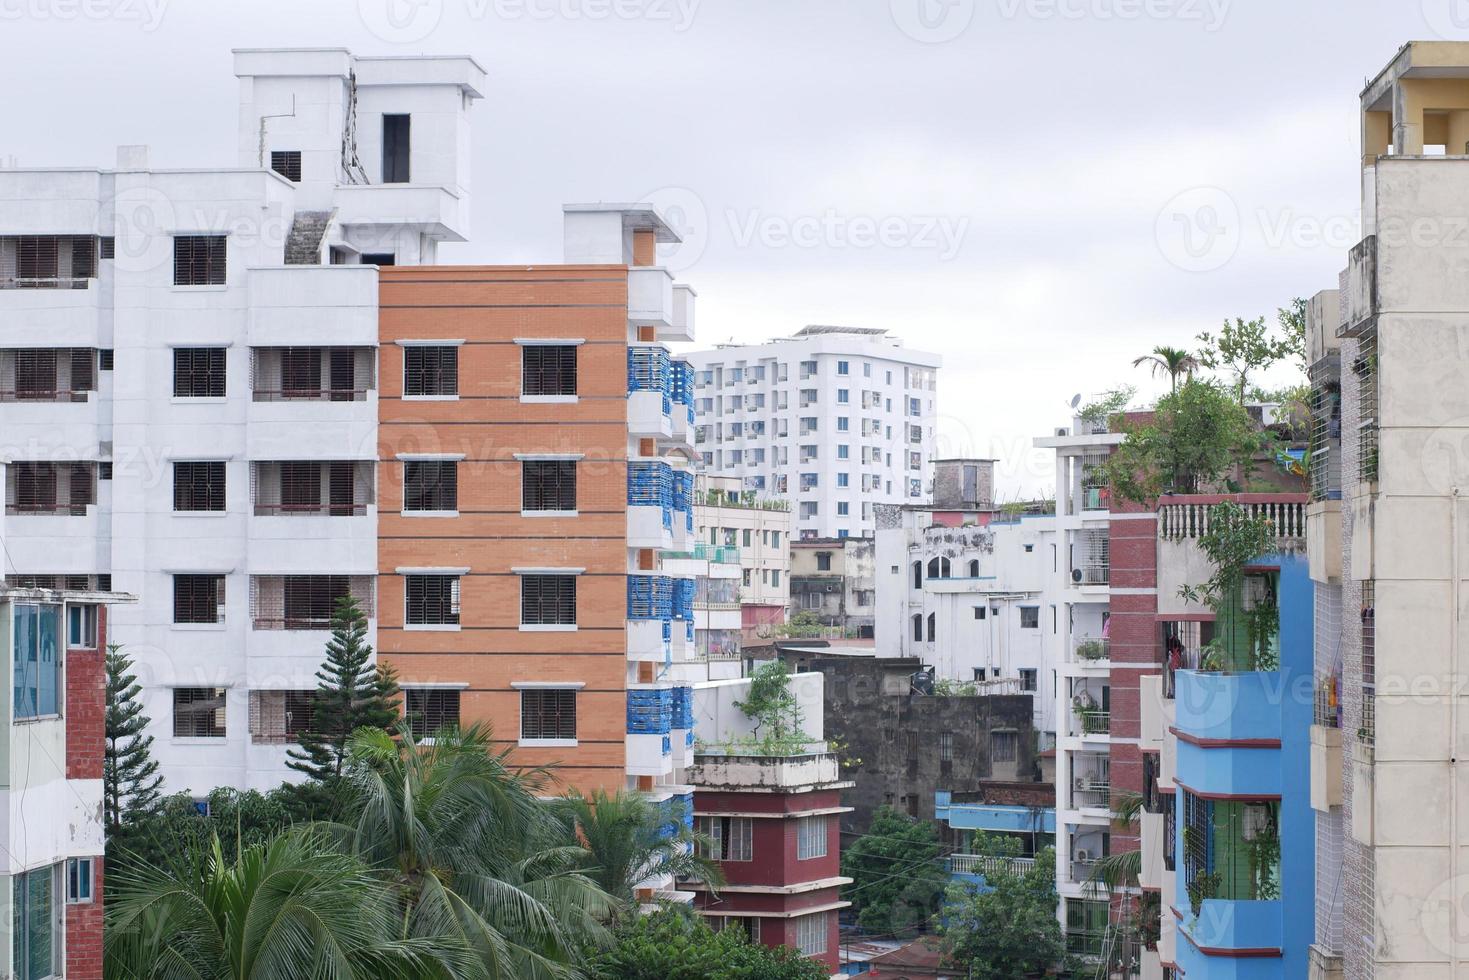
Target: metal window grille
[
  {"x": 1003, "y": 746},
  {"x": 279, "y": 717},
  {"x": 48, "y": 374},
  {"x": 946, "y": 746},
  {"x": 811, "y": 934},
  {"x": 198, "y": 598},
  {"x": 548, "y": 485},
  {"x": 1368, "y": 732},
  {"x": 198, "y": 712},
  {"x": 548, "y": 600},
  {"x": 548, "y": 713},
  {"x": 301, "y": 371},
  {"x": 199, "y": 486},
  {"x": 199, "y": 260},
  {"x": 287, "y": 163},
  {"x": 305, "y": 602},
  {"x": 548, "y": 369},
  {"x": 429, "y": 371},
  {"x": 311, "y": 373},
  {"x": 430, "y": 710},
  {"x": 1170, "y": 831},
  {"x": 35, "y": 374},
  {"x": 47, "y": 261},
  {"x": 340, "y": 488},
  {"x": 430, "y": 485},
  {"x": 198, "y": 372},
  {"x": 432, "y": 600},
  {"x": 50, "y": 488},
  {"x": 1325, "y": 376},
  {"x": 107, "y": 247},
  {"x": 1364, "y": 366}
]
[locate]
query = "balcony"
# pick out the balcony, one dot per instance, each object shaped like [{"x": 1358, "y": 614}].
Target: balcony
[
  {"x": 1092, "y": 650},
  {"x": 311, "y": 489},
  {"x": 684, "y": 301},
  {"x": 649, "y": 730},
  {"x": 650, "y": 300},
  {"x": 650, "y": 618},
  {"x": 306, "y": 602},
  {"x": 1091, "y": 783},
  {"x": 434, "y": 211},
  {"x": 681, "y": 394},
  {"x": 1231, "y": 879},
  {"x": 987, "y": 866},
  {"x": 649, "y": 383},
  {"x": 649, "y": 504},
  {"x": 43, "y": 489},
  {"x": 1181, "y": 517},
  {"x": 312, "y": 402}
]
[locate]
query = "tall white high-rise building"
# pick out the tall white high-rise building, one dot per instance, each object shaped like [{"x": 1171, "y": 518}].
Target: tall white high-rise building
[
  {"x": 188, "y": 384},
  {"x": 836, "y": 419}
]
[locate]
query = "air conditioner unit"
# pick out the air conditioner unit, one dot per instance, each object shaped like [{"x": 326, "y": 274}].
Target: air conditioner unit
[
  {"x": 1083, "y": 855},
  {"x": 1062, "y": 431}
]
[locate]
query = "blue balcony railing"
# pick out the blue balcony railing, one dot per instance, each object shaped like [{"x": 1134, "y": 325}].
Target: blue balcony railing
[
  {"x": 650, "y": 597},
  {"x": 650, "y": 484},
  {"x": 650, "y": 713},
  {"x": 683, "y": 496},
  {"x": 684, "y": 590},
  {"x": 683, "y": 708},
  {"x": 648, "y": 369}
]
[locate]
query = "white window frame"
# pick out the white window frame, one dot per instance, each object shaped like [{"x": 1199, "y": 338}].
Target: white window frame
[
  {"x": 811, "y": 934},
  {"x": 742, "y": 834},
  {"x": 74, "y": 896},
  {"x": 811, "y": 837}
]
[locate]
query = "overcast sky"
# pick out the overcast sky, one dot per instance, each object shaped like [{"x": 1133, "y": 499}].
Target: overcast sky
[{"x": 1039, "y": 190}]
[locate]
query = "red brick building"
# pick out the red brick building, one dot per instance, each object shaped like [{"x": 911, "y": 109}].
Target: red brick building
[{"x": 774, "y": 826}]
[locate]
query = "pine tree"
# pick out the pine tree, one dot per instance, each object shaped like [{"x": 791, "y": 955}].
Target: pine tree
[
  {"x": 130, "y": 780},
  {"x": 350, "y": 694}
]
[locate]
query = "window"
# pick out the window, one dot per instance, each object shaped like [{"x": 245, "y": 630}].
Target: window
[
  {"x": 1029, "y": 548},
  {"x": 729, "y": 838},
  {"x": 844, "y": 396},
  {"x": 946, "y": 746},
  {"x": 746, "y": 537},
  {"x": 37, "y": 667},
  {"x": 36, "y": 925},
  {"x": 548, "y": 714},
  {"x": 81, "y": 627},
  {"x": 810, "y": 838},
  {"x": 811, "y": 934},
  {"x": 548, "y": 600},
  {"x": 844, "y": 451},
  {"x": 198, "y": 712},
  {"x": 198, "y": 487},
  {"x": 843, "y": 510},
  {"x": 198, "y": 598},
  {"x": 932, "y": 626},
  {"x": 430, "y": 372},
  {"x": 548, "y": 369},
  {"x": 287, "y": 163},
  {"x": 939, "y": 567},
  {"x": 79, "y": 875},
  {"x": 974, "y": 568},
  {"x": 198, "y": 260},
  {"x": 548, "y": 485},
  {"x": 775, "y": 577},
  {"x": 430, "y": 485},
  {"x": 431, "y": 600},
  {"x": 396, "y": 154},
  {"x": 979, "y": 612},
  {"x": 750, "y": 924},
  {"x": 198, "y": 372},
  {"x": 1030, "y": 617},
  {"x": 1027, "y": 679},
  {"x": 1002, "y": 746},
  {"x": 918, "y": 575},
  {"x": 823, "y": 561},
  {"x": 843, "y": 367},
  {"x": 430, "y": 710},
  {"x": 388, "y": 259}
]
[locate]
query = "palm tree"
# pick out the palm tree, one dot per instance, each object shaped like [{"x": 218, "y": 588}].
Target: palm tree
[
  {"x": 1171, "y": 361},
  {"x": 1121, "y": 873},
  {"x": 291, "y": 907},
  {"x": 473, "y": 857},
  {"x": 629, "y": 840}
]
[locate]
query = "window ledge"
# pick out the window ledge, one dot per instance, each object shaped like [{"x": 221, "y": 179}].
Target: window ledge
[
  {"x": 198, "y": 740},
  {"x": 190, "y": 400},
  {"x": 198, "y": 627},
  {"x": 431, "y": 627},
  {"x": 548, "y": 627},
  {"x": 428, "y": 513},
  {"x": 200, "y": 289},
  {"x": 548, "y": 743},
  {"x": 430, "y": 398},
  {"x": 200, "y": 513},
  {"x": 549, "y": 399},
  {"x": 550, "y": 513},
  {"x": 33, "y": 719}
]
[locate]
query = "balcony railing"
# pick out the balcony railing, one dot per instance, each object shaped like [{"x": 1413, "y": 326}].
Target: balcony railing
[
  {"x": 988, "y": 865},
  {"x": 1182, "y": 517},
  {"x": 1094, "y": 722},
  {"x": 1093, "y": 648}
]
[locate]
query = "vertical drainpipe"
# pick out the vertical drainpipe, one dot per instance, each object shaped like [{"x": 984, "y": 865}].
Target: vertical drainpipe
[{"x": 1455, "y": 941}]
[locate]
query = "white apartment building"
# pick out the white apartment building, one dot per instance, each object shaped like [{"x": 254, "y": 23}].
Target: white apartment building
[
  {"x": 835, "y": 419},
  {"x": 188, "y": 383},
  {"x": 756, "y": 528},
  {"x": 969, "y": 594}
]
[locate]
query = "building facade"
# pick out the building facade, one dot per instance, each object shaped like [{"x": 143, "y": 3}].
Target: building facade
[
  {"x": 757, "y": 527},
  {"x": 535, "y": 471},
  {"x": 773, "y": 823},
  {"x": 188, "y": 390},
  {"x": 55, "y": 640},
  {"x": 836, "y": 579},
  {"x": 1388, "y": 374},
  {"x": 834, "y": 419}
]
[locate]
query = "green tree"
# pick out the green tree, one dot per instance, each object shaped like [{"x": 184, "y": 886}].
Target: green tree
[
  {"x": 675, "y": 944},
  {"x": 1196, "y": 437},
  {"x": 897, "y": 876},
  {"x": 130, "y": 781},
  {"x": 1010, "y": 929},
  {"x": 805, "y": 624},
  {"x": 775, "y": 710},
  {"x": 181, "y": 824},
  {"x": 1245, "y": 347},
  {"x": 350, "y": 694},
  {"x": 290, "y": 907},
  {"x": 470, "y": 853},
  {"x": 629, "y": 839},
  {"x": 1171, "y": 361}
]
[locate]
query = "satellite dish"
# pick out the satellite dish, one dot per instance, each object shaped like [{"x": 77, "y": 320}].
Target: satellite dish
[{"x": 1075, "y": 400}]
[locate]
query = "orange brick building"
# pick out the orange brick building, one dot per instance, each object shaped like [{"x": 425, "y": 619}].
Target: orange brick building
[{"x": 526, "y": 415}]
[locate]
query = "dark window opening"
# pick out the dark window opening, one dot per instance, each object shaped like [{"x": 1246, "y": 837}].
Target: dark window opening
[
  {"x": 432, "y": 600},
  {"x": 310, "y": 600},
  {"x": 548, "y": 369},
  {"x": 384, "y": 259},
  {"x": 430, "y": 485},
  {"x": 198, "y": 712},
  {"x": 548, "y": 600},
  {"x": 548, "y": 713},
  {"x": 198, "y": 598},
  {"x": 198, "y": 486},
  {"x": 548, "y": 485},
  {"x": 430, "y": 371},
  {"x": 287, "y": 163},
  {"x": 198, "y": 372},
  {"x": 198, "y": 260},
  {"x": 430, "y": 710},
  {"x": 395, "y": 149}
]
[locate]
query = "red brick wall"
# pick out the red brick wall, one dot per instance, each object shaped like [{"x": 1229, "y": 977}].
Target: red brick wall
[
  {"x": 1134, "y": 642},
  {"x": 84, "y": 934}
]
